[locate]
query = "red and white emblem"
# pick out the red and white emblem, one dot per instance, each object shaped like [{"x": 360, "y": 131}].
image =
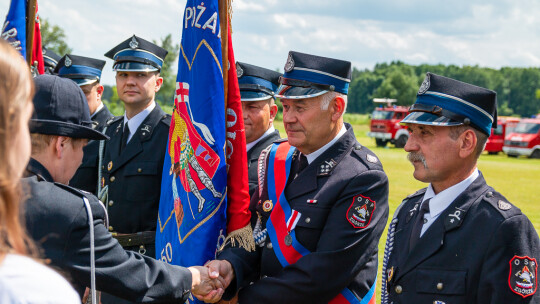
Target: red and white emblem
[
  {"x": 522, "y": 278},
  {"x": 361, "y": 211}
]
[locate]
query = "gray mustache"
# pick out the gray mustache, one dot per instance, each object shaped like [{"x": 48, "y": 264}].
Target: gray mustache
[{"x": 416, "y": 156}]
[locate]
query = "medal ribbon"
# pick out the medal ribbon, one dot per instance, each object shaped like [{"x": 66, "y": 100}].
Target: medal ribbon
[{"x": 283, "y": 219}]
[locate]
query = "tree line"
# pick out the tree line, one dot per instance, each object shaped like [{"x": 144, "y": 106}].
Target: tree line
[{"x": 518, "y": 89}]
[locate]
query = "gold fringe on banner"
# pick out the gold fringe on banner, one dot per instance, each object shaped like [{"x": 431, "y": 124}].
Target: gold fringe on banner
[{"x": 242, "y": 236}]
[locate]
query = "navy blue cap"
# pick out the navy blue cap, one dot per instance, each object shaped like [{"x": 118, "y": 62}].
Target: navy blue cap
[
  {"x": 443, "y": 101},
  {"x": 309, "y": 76},
  {"x": 82, "y": 70},
  {"x": 50, "y": 60},
  {"x": 256, "y": 83},
  {"x": 60, "y": 108},
  {"x": 137, "y": 55}
]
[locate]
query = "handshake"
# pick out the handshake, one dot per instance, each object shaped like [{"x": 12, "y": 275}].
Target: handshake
[{"x": 210, "y": 281}]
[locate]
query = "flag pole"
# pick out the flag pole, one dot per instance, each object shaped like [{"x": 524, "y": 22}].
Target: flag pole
[
  {"x": 30, "y": 22},
  {"x": 224, "y": 27}
]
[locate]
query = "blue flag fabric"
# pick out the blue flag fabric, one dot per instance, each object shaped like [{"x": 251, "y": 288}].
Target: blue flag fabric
[
  {"x": 192, "y": 211},
  {"x": 14, "y": 28}
]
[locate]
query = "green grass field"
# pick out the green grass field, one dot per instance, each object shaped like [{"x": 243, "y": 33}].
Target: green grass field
[{"x": 518, "y": 179}]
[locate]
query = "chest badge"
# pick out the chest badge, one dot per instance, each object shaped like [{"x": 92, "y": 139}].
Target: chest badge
[
  {"x": 361, "y": 211},
  {"x": 267, "y": 206},
  {"x": 522, "y": 278}
]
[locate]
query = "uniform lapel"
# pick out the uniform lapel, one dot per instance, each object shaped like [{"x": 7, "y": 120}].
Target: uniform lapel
[
  {"x": 134, "y": 146},
  {"x": 450, "y": 219}
]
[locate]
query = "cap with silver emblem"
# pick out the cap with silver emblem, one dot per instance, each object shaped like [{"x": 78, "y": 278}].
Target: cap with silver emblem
[
  {"x": 137, "y": 55},
  {"x": 256, "y": 83},
  {"x": 82, "y": 70},
  {"x": 308, "y": 76},
  {"x": 443, "y": 101}
]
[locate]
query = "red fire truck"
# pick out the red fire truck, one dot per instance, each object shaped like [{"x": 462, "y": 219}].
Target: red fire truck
[
  {"x": 524, "y": 140},
  {"x": 505, "y": 126},
  {"x": 385, "y": 126}
]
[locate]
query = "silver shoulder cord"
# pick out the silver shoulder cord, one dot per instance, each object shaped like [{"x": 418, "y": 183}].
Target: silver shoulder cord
[
  {"x": 102, "y": 193},
  {"x": 92, "y": 296},
  {"x": 387, "y": 251}
]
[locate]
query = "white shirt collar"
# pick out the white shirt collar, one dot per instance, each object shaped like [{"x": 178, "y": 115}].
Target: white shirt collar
[
  {"x": 137, "y": 120},
  {"x": 101, "y": 105},
  {"x": 439, "y": 202},
  {"x": 253, "y": 143},
  {"x": 313, "y": 155}
]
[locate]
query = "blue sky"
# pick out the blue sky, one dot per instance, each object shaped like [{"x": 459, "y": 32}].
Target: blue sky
[{"x": 463, "y": 32}]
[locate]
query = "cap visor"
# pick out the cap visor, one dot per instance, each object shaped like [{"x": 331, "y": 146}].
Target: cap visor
[
  {"x": 425, "y": 118},
  {"x": 83, "y": 81},
  {"x": 131, "y": 66},
  {"x": 253, "y": 96},
  {"x": 290, "y": 92},
  {"x": 60, "y": 128}
]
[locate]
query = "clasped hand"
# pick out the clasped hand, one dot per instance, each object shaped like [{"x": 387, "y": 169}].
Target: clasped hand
[{"x": 211, "y": 280}]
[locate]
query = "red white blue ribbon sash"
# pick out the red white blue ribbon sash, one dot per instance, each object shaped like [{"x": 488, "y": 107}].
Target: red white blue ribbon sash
[{"x": 283, "y": 219}]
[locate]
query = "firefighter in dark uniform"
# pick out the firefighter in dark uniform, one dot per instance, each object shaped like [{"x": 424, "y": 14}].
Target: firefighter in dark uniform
[
  {"x": 323, "y": 204},
  {"x": 57, "y": 216},
  {"x": 257, "y": 87},
  {"x": 50, "y": 60},
  {"x": 132, "y": 162},
  {"x": 86, "y": 72},
  {"x": 458, "y": 240}
]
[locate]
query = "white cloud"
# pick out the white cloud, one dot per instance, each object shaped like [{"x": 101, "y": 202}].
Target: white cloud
[{"x": 491, "y": 33}]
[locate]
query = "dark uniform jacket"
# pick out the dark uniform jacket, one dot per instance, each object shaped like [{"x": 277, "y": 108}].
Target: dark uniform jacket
[
  {"x": 253, "y": 156},
  {"x": 57, "y": 220},
  {"x": 134, "y": 175},
  {"x": 341, "y": 255},
  {"x": 86, "y": 177},
  {"x": 466, "y": 255}
]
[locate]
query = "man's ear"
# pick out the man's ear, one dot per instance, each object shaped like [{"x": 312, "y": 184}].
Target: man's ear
[
  {"x": 467, "y": 143},
  {"x": 338, "y": 104},
  {"x": 273, "y": 111},
  {"x": 99, "y": 91},
  {"x": 59, "y": 144},
  {"x": 159, "y": 82}
]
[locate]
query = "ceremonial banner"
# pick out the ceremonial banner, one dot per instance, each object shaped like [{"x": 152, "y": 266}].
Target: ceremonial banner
[
  {"x": 15, "y": 32},
  {"x": 14, "y": 28},
  {"x": 192, "y": 219}
]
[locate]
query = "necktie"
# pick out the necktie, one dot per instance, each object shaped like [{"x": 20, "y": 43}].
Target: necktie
[
  {"x": 125, "y": 136},
  {"x": 300, "y": 164},
  {"x": 415, "y": 235}
]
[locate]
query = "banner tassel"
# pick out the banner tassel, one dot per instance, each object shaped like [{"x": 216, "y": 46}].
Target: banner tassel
[{"x": 242, "y": 236}]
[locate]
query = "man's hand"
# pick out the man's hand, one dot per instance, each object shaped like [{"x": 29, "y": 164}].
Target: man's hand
[
  {"x": 206, "y": 284},
  {"x": 223, "y": 271}
]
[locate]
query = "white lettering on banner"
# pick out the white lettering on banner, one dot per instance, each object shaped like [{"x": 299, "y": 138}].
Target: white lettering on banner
[
  {"x": 188, "y": 15},
  {"x": 166, "y": 253},
  {"x": 10, "y": 36},
  {"x": 195, "y": 14},
  {"x": 201, "y": 11},
  {"x": 230, "y": 135}
]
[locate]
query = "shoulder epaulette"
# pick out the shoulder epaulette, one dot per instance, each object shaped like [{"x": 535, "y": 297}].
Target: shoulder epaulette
[
  {"x": 113, "y": 119},
  {"x": 405, "y": 200},
  {"x": 72, "y": 190},
  {"x": 500, "y": 203},
  {"x": 370, "y": 160},
  {"x": 166, "y": 119}
]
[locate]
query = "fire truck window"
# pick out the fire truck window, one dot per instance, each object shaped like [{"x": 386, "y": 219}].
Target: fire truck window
[{"x": 498, "y": 130}]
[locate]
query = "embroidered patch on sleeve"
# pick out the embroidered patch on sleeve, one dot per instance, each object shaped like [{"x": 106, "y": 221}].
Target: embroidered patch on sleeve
[
  {"x": 522, "y": 278},
  {"x": 361, "y": 211}
]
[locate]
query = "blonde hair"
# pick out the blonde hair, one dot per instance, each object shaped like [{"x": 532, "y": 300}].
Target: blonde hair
[
  {"x": 16, "y": 91},
  {"x": 40, "y": 142}
]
